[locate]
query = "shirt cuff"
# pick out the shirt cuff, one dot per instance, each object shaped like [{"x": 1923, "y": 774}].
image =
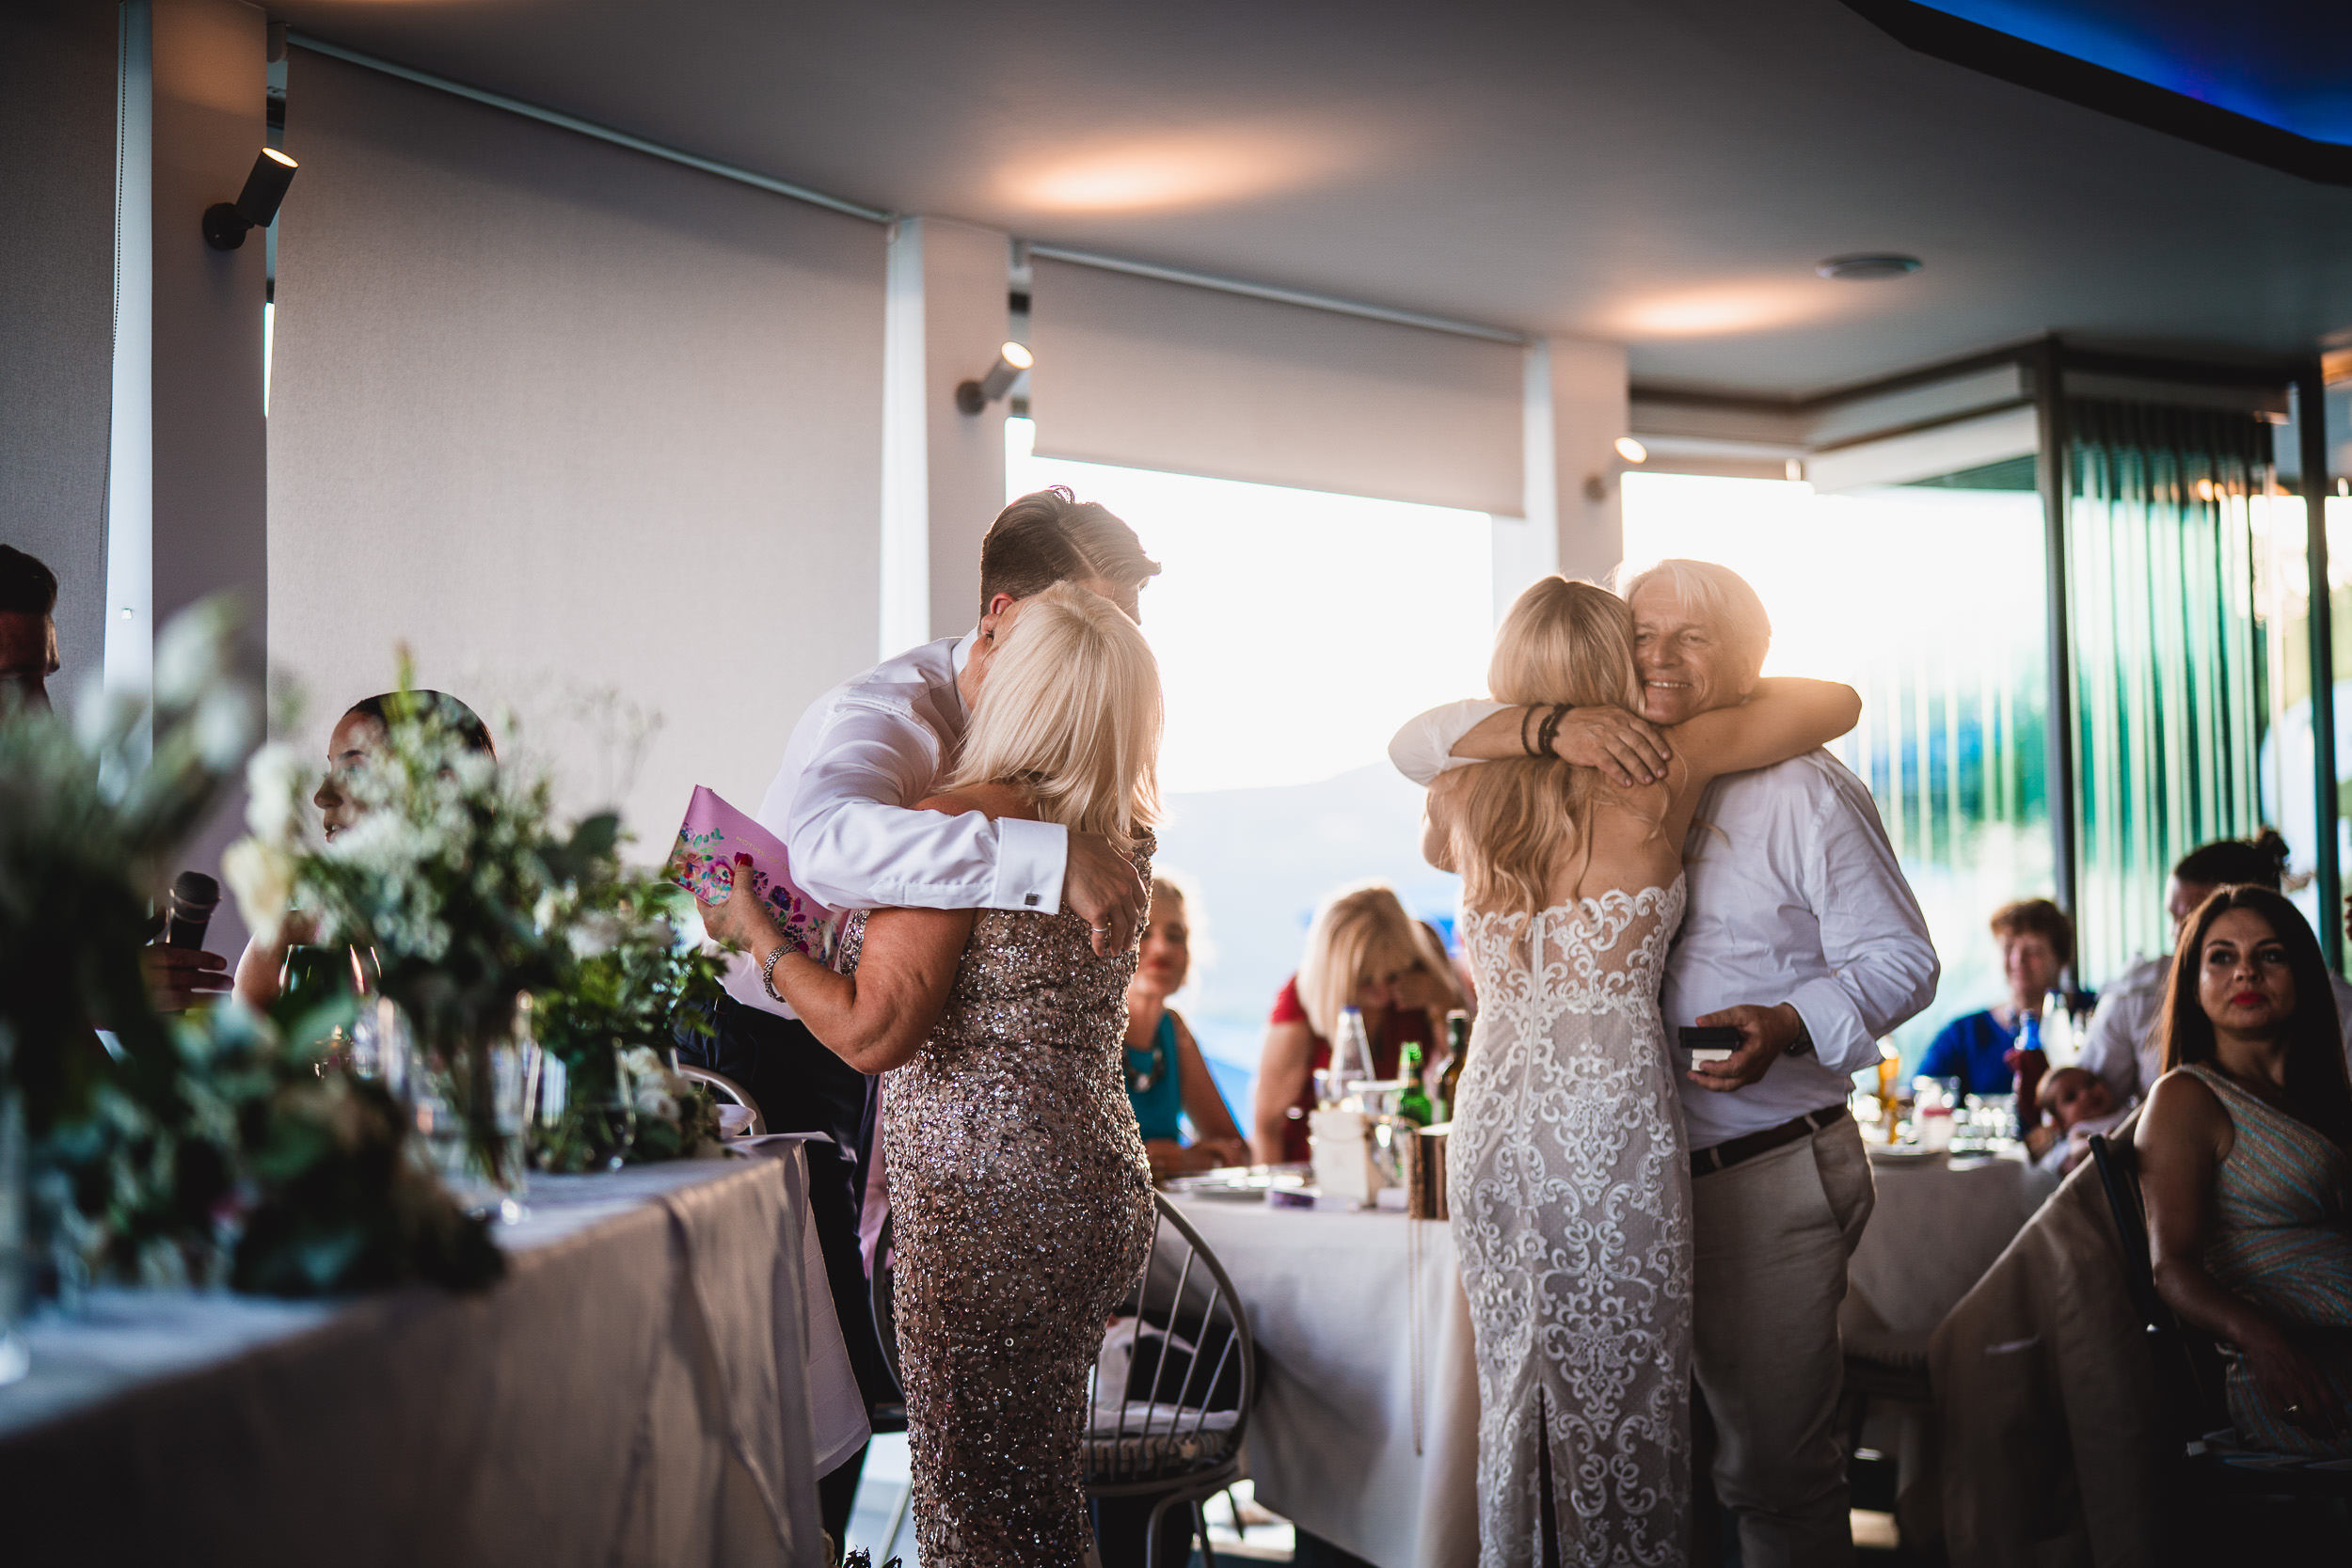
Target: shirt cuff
[
  {"x": 1840, "y": 1043},
  {"x": 1424, "y": 748},
  {"x": 1030, "y": 860}
]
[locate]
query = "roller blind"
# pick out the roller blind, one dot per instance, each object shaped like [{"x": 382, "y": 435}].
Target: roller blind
[
  {"x": 58, "y": 69},
  {"x": 593, "y": 434},
  {"x": 1154, "y": 375}
]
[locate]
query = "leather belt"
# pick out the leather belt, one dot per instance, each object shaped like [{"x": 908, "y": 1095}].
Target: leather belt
[{"x": 1705, "y": 1162}]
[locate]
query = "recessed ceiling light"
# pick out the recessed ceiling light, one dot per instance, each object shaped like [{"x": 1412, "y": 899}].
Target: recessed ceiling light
[
  {"x": 1864, "y": 269},
  {"x": 1631, "y": 450}
]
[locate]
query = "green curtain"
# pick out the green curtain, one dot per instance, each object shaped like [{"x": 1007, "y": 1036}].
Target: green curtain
[{"x": 2166, "y": 656}]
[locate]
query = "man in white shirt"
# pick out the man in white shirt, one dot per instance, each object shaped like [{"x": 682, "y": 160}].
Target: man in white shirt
[
  {"x": 843, "y": 803},
  {"x": 1803, "y": 936}
]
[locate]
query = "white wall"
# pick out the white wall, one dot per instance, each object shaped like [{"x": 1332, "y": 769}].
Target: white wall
[{"x": 567, "y": 419}]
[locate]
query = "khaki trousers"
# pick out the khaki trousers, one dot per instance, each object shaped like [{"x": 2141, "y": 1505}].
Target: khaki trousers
[{"x": 1773, "y": 1237}]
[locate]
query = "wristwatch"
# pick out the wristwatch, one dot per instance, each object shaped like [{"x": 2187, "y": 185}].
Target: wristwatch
[{"x": 1803, "y": 1044}]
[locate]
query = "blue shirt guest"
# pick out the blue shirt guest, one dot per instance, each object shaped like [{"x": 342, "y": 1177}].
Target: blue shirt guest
[
  {"x": 1167, "y": 1077},
  {"x": 2037, "y": 943}
]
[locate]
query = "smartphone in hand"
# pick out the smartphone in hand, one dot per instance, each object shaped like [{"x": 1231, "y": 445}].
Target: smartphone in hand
[{"x": 1710, "y": 1044}]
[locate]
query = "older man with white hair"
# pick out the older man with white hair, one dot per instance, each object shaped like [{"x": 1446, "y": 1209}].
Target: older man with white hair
[{"x": 1801, "y": 935}]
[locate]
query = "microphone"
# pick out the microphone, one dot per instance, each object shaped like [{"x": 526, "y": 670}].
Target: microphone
[{"x": 194, "y": 898}]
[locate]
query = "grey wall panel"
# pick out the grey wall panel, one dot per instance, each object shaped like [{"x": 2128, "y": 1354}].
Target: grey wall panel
[
  {"x": 567, "y": 420},
  {"x": 1154, "y": 375},
  {"x": 57, "y": 302}
]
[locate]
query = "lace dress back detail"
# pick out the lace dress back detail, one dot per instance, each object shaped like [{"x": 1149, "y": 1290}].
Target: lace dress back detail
[{"x": 1570, "y": 1185}]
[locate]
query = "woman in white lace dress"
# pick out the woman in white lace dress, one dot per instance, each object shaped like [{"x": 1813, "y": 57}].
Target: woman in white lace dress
[{"x": 1569, "y": 1181}]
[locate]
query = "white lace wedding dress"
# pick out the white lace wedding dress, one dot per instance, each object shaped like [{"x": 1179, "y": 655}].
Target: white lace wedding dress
[{"x": 1570, "y": 1192}]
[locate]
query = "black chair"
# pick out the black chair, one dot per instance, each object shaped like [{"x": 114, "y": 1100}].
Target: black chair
[
  {"x": 2207, "y": 1470},
  {"x": 1172, "y": 1432}
]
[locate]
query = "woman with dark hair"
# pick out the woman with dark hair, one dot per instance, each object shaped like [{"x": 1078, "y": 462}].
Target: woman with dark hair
[
  {"x": 2124, "y": 1045},
  {"x": 2246, "y": 1163},
  {"x": 358, "y": 736}
]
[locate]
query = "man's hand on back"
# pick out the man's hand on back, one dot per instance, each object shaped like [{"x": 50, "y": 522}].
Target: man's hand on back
[
  {"x": 1100, "y": 883},
  {"x": 1765, "y": 1035}
]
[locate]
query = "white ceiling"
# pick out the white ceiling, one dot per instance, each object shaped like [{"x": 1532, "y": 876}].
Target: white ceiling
[{"x": 1661, "y": 172}]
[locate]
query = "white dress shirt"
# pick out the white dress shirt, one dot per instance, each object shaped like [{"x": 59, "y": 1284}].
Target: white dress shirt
[
  {"x": 843, "y": 803},
  {"x": 1794, "y": 896},
  {"x": 2121, "y": 1045}
]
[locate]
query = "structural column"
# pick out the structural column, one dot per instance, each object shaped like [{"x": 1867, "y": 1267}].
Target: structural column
[
  {"x": 942, "y": 469},
  {"x": 1576, "y": 408},
  {"x": 187, "y": 489}
]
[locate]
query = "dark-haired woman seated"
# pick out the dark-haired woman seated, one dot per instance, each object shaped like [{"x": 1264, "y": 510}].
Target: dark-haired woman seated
[
  {"x": 356, "y": 739},
  {"x": 2246, "y": 1161}
]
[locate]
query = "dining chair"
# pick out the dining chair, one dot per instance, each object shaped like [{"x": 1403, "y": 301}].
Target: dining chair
[
  {"x": 1171, "y": 1394},
  {"x": 2206, "y": 1467},
  {"x": 726, "y": 1089}
]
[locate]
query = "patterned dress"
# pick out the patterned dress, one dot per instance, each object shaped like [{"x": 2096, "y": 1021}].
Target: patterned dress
[
  {"x": 1022, "y": 1212},
  {"x": 2282, "y": 1239},
  {"x": 1570, "y": 1189}
]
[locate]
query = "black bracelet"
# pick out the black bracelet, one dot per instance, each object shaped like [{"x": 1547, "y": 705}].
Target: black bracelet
[
  {"x": 1549, "y": 731},
  {"x": 1527, "y": 713}
]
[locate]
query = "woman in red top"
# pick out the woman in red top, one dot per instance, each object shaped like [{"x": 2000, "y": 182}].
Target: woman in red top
[{"x": 1362, "y": 951}]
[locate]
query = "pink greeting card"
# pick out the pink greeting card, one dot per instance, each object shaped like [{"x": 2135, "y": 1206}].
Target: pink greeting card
[{"x": 718, "y": 846}]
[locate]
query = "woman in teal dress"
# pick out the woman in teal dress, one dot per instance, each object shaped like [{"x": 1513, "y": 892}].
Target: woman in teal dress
[
  {"x": 1167, "y": 1078},
  {"x": 2245, "y": 1162}
]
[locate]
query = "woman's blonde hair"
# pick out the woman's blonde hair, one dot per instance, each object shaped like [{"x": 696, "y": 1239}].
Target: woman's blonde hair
[
  {"x": 1361, "y": 933},
  {"x": 1515, "y": 820},
  {"x": 1071, "y": 712}
]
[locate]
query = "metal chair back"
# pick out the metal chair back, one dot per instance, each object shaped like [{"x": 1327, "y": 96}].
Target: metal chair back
[
  {"x": 727, "y": 1090},
  {"x": 1173, "y": 1428}
]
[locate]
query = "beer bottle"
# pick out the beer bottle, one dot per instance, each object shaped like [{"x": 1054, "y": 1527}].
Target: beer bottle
[
  {"x": 1457, "y": 1033},
  {"x": 1413, "y": 1102}
]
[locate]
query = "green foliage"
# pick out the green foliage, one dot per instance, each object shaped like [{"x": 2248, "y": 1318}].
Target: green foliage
[
  {"x": 630, "y": 980},
  {"x": 258, "y": 1165},
  {"x": 89, "y": 825}
]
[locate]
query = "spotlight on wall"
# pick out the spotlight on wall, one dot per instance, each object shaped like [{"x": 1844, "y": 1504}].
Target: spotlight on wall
[
  {"x": 1011, "y": 359},
  {"x": 226, "y": 222},
  {"x": 1868, "y": 269},
  {"x": 1631, "y": 450}
]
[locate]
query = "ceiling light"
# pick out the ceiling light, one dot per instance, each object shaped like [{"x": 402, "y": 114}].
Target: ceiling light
[
  {"x": 1631, "y": 450},
  {"x": 1866, "y": 269},
  {"x": 1011, "y": 359}
]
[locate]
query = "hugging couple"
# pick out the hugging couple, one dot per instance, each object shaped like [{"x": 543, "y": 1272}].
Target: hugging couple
[{"x": 1626, "y": 1218}]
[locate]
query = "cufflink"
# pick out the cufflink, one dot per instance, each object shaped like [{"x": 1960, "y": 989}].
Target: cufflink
[{"x": 1028, "y": 898}]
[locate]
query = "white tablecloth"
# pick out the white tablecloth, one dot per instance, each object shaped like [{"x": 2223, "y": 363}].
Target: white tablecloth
[
  {"x": 1940, "y": 1223},
  {"x": 1366, "y": 1432},
  {"x": 659, "y": 1379}
]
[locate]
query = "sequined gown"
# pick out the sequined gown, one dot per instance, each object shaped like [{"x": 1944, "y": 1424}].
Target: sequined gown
[
  {"x": 1022, "y": 1212},
  {"x": 1570, "y": 1189}
]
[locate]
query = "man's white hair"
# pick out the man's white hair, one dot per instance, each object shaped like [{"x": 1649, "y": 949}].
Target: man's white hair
[{"x": 1721, "y": 597}]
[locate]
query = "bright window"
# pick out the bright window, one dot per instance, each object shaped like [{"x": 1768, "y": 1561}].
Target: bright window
[
  {"x": 1929, "y": 600},
  {"x": 1295, "y": 631}
]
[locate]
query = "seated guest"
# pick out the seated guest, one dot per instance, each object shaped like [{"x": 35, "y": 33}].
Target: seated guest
[
  {"x": 2246, "y": 1163},
  {"x": 2079, "y": 1107},
  {"x": 176, "y": 976},
  {"x": 1167, "y": 1077},
  {"x": 1363, "y": 951},
  {"x": 2037, "y": 943},
  {"x": 357, "y": 736},
  {"x": 2124, "y": 1044}
]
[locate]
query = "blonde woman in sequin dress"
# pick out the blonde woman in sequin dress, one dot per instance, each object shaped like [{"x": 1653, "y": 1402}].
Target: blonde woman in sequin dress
[
  {"x": 1020, "y": 1192},
  {"x": 1567, "y": 1173}
]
